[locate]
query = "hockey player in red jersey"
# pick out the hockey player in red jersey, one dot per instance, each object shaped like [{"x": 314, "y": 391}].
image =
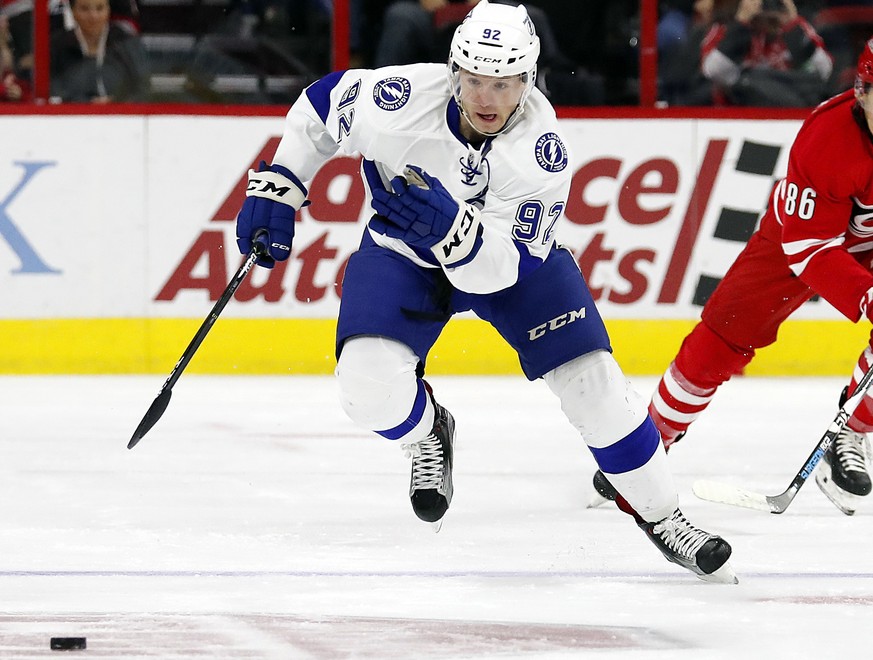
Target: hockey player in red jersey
[{"x": 816, "y": 237}]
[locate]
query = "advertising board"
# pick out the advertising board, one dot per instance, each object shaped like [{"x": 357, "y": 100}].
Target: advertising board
[{"x": 117, "y": 236}]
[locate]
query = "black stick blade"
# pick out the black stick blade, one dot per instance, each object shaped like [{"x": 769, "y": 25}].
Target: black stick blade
[{"x": 153, "y": 414}]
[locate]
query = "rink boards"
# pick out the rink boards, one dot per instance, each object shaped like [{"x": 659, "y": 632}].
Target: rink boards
[{"x": 117, "y": 237}]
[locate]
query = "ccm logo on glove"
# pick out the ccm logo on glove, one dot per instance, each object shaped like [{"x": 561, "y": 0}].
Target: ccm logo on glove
[
  {"x": 275, "y": 186},
  {"x": 273, "y": 197},
  {"x": 467, "y": 222}
]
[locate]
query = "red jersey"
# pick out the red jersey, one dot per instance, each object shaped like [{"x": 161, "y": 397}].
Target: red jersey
[{"x": 822, "y": 211}]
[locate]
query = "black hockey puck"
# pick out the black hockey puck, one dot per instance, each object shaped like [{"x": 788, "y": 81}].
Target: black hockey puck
[{"x": 67, "y": 643}]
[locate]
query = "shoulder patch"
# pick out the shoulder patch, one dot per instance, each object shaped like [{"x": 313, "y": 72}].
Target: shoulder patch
[
  {"x": 391, "y": 93},
  {"x": 550, "y": 152}
]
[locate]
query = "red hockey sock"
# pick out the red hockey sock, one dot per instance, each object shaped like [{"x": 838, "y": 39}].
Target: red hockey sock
[
  {"x": 685, "y": 390},
  {"x": 676, "y": 403}
]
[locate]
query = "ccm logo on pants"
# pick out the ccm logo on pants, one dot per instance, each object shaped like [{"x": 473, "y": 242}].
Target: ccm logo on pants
[{"x": 555, "y": 323}]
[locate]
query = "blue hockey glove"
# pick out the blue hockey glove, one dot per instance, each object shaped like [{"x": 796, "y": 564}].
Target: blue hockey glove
[
  {"x": 421, "y": 212},
  {"x": 273, "y": 197}
]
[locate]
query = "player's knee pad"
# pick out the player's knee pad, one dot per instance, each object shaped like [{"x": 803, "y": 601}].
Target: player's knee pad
[
  {"x": 377, "y": 381},
  {"x": 597, "y": 398}
]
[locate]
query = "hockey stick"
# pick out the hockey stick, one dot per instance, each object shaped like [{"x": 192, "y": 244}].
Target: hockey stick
[
  {"x": 715, "y": 491},
  {"x": 162, "y": 400}
]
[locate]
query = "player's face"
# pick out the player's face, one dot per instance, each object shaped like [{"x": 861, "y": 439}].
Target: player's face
[{"x": 488, "y": 101}]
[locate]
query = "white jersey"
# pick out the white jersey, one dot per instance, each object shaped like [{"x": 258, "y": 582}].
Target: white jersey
[{"x": 405, "y": 115}]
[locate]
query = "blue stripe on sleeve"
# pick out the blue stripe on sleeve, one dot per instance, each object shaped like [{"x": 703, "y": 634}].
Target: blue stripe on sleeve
[
  {"x": 318, "y": 93},
  {"x": 631, "y": 452},
  {"x": 414, "y": 417}
]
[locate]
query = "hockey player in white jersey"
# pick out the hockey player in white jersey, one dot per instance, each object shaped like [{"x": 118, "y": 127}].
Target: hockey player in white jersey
[{"x": 467, "y": 176}]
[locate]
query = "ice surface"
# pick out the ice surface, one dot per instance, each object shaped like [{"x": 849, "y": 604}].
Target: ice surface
[{"x": 254, "y": 520}]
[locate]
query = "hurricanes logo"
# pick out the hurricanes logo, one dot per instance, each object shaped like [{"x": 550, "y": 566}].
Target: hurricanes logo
[
  {"x": 861, "y": 222},
  {"x": 391, "y": 93},
  {"x": 550, "y": 152}
]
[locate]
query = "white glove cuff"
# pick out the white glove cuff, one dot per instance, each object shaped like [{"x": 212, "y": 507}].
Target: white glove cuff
[
  {"x": 461, "y": 239},
  {"x": 277, "y": 187}
]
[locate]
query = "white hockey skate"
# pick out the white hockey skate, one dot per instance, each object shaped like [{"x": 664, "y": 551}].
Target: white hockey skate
[
  {"x": 704, "y": 554},
  {"x": 430, "y": 487},
  {"x": 842, "y": 473}
]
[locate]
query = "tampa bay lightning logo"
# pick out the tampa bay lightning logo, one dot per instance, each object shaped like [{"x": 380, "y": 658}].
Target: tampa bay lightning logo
[
  {"x": 551, "y": 153},
  {"x": 391, "y": 93}
]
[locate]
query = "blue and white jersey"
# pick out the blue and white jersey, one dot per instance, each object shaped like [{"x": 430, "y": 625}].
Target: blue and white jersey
[{"x": 405, "y": 115}]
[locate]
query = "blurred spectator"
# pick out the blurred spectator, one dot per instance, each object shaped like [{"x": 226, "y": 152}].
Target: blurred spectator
[
  {"x": 845, "y": 28},
  {"x": 563, "y": 81},
  {"x": 680, "y": 79},
  {"x": 124, "y": 14},
  {"x": 421, "y": 31},
  {"x": 96, "y": 61},
  {"x": 264, "y": 51},
  {"x": 681, "y": 22},
  {"x": 280, "y": 18},
  {"x": 19, "y": 13},
  {"x": 604, "y": 38},
  {"x": 675, "y": 18},
  {"x": 766, "y": 55},
  {"x": 12, "y": 88},
  {"x": 410, "y": 30},
  {"x": 20, "y": 16}
]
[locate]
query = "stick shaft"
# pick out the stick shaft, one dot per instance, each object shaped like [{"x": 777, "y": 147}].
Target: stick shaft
[
  {"x": 210, "y": 320},
  {"x": 162, "y": 400},
  {"x": 836, "y": 426}
]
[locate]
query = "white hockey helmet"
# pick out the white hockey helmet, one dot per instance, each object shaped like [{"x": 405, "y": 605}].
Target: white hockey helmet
[{"x": 496, "y": 40}]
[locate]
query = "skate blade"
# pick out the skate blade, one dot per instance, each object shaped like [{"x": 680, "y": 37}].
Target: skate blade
[
  {"x": 722, "y": 575},
  {"x": 436, "y": 526},
  {"x": 597, "y": 500},
  {"x": 845, "y": 502}
]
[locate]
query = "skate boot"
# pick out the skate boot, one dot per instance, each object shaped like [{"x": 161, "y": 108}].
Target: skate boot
[
  {"x": 842, "y": 474},
  {"x": 430, "y": 488},
  {"x": 682, "y": 543},
  {"x": 604, "y": 491}
]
